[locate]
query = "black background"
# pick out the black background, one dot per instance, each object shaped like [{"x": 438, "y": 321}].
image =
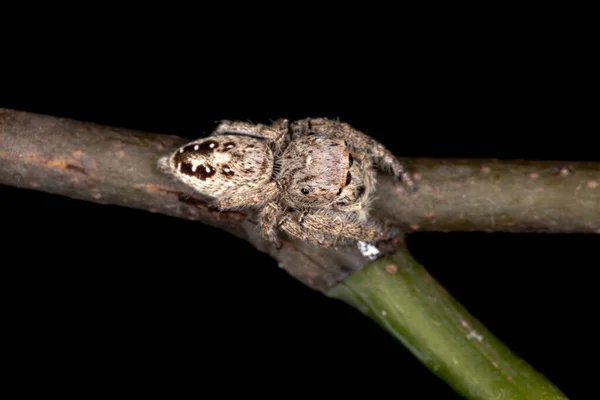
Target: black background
[{"x": 112, "y": 294}]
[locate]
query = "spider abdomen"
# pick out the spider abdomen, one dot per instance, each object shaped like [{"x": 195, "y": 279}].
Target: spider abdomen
[{"x": 222, "y": 165}]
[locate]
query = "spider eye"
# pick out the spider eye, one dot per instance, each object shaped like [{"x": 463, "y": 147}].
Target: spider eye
[{"x": 305, "y": 191}]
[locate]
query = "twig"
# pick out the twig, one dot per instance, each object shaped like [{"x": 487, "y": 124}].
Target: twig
[
  {"x": 398, "y": 293},
  {"x": 118, "y": 166}
]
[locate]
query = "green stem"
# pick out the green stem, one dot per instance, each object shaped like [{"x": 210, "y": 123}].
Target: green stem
[{"x": 398, "y": 293}]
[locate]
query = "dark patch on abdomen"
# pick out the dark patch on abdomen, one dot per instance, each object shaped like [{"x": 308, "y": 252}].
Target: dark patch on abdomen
[
  {"x": 201, "y": 173},
  {"x": 264, "y": 165},
  {"x": 186, "y": 168},
  {"x": 227, "y": 171}
]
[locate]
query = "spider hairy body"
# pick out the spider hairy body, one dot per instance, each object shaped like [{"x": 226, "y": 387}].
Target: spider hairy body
[{"x": 313, "y": 179}]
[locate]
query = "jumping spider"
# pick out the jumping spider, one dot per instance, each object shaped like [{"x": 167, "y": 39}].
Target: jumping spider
[{"x": 313, "y": 178}]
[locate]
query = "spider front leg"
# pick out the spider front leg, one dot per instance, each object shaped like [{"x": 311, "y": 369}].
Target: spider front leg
[
  {"x": 318, "y": 238},
  {"x": 277, "y": 133},
  {"x": 248, "y": 198},
  {"x": 269, "y": 217},
  {"x": 357, "y": 140},
  {"x": 330, "y": 228}
]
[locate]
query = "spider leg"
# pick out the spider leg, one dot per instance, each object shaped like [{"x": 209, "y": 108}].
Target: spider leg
[
  {"x": 356, "y": 196},
  {"x": 254, "y": 197},
  {"x": 326, "y": 229},
  {"x": 269, "y": 216},
  {"x": 369, "y": 176},
  {"x": 357, "y": 140},
  {"x": 314, "y": 237},
  {"x": 277, "y": 132}
]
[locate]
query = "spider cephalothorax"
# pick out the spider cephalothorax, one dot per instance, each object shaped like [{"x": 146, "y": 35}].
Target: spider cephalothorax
[
  {"x": 314, "y": 171},
  {"x": 313, "y": 179}
]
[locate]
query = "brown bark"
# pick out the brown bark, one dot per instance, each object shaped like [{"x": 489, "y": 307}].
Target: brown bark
[{"x": 118, "y": 166}]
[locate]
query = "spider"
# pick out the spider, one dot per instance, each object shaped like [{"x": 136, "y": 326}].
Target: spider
[{"x": 313, "y": 178}]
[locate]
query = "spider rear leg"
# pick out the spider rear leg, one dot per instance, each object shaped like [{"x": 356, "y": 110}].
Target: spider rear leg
[{"x": 356, "y": 196}]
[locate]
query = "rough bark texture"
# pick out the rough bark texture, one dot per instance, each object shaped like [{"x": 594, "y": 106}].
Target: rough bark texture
[{"x": 118, "y": 166}]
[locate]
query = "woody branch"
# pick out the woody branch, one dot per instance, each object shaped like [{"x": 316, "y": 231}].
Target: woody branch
[{"x": 116, "y": 166}]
